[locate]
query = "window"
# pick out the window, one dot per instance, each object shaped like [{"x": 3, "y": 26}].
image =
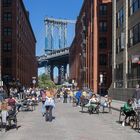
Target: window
[
  {"x": 119, "y": 72},
  {"x": 103, "y": 26},
  {"x": 7, "y": 16},
  {"x": 7, "y": 3},
  {"x": 134, "y": 35},
  {"x": 7, "y": 31},
  {"x": 7, "y": 77},
  {"x": 119, "y": 45},
  {"x": 119, "y": 75},
  {"x": 134, "y": 5},
  {"x": 117, "y": 20},
  {"x": 103, "y": 10},
  {"x": 103, "y": 59},
  {"x": 130, "y": 37},
  {"x": 103, "y": 43},
  {"x": 7, "y": 63},
  {"x": 7, "y": 46},
  {"x": 120, "y": 17}
]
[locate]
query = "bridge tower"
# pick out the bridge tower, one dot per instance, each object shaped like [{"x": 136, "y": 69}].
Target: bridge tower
[{"x": 56, "y": 27}]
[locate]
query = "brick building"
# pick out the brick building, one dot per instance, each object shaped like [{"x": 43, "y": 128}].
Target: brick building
[
  {"x": 18, "y": 61},
  {"x": 90, "y": 53}
]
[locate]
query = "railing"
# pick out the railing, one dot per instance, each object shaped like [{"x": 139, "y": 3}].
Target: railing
[{"x": 131, "y": 83}]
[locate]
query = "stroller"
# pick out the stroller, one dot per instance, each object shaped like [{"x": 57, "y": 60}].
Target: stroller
[{"x": 12, "y": 117}]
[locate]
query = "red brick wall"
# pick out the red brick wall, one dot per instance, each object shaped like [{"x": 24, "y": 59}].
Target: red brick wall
[
  {"x": 93, "y": 70},
  {"x": 24, "y": 64}
]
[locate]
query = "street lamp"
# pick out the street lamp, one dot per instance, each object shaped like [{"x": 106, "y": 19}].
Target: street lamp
[
  {"x": 100, "y": 84},
  {"x": 75, "y": 84},
  {"x": 34, "y": 81}
]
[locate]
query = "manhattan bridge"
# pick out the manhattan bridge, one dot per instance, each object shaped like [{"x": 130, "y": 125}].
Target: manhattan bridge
[{"x": 56, "y": 52}]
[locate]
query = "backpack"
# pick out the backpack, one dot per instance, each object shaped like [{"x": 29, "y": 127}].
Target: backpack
[{"x": 43, "y": 96}]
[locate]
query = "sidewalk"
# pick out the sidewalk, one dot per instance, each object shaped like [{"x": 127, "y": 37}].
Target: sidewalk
[{"x": 116, "y": 105}]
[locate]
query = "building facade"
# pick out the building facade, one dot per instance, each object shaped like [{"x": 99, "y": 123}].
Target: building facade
[
  {"x": 18, "y": 61},
  {"x": 125, "y": 48},
  {"x": 91, "y": 48}
]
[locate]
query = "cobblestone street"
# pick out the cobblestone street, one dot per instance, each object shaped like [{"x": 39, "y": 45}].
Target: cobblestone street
[{"x": 69, "y": 124}]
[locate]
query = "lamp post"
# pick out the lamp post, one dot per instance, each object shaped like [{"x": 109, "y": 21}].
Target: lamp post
[
  {"x": 101, "y": 82},
  {"x": 75, "y": 85},
  {"x": 34, "y": 81}
]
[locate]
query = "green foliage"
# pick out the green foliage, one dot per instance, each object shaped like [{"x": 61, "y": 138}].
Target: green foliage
[{"x": 45, "y": 81}]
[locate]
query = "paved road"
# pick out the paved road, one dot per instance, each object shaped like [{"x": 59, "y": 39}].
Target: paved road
[{"x": 69, "y": 124}]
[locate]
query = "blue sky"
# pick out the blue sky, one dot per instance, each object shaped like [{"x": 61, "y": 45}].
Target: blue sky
[{"x": 39, "y": 9}]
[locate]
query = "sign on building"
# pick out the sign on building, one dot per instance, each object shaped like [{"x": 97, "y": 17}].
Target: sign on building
[{"x": 135, "y": 58}]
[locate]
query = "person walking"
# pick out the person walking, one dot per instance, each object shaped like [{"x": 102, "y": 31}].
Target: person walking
[
  {"x": 65, "y": 96},
  {"x": 49, "y": 105},
  {"x": 78, "y": 96},
  {"x": 43, "y": 98},
  {"x": 136, "y": 95}
]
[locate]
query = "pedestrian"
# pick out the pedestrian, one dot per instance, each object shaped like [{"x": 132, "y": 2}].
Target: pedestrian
[
  {"x": 136, "y": 95},
  {"x": 11, "y": 101},
  {"x": 4, "y": 112},
  {"x": 58, "y": 95},
  {"x": 106, "y": 102},
  {"x": 61, "y": 96},
  {"x": 43, "y": 98},
  {"x": 70, "y": 96},
  {"x": 2, "y": 94},
  {"x": 78, "y": 96},
  {"x": 49, "y": 105},
  {"x": 65, "y": 95}
]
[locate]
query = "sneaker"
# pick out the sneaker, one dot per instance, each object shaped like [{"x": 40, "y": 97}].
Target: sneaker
[{"x": 123, "y": 123}]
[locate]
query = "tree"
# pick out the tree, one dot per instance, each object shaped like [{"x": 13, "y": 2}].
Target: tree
[{"x": 45, "y": 81}]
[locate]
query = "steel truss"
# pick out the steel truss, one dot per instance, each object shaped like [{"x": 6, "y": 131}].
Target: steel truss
[{"x": 52, "y": 26}]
